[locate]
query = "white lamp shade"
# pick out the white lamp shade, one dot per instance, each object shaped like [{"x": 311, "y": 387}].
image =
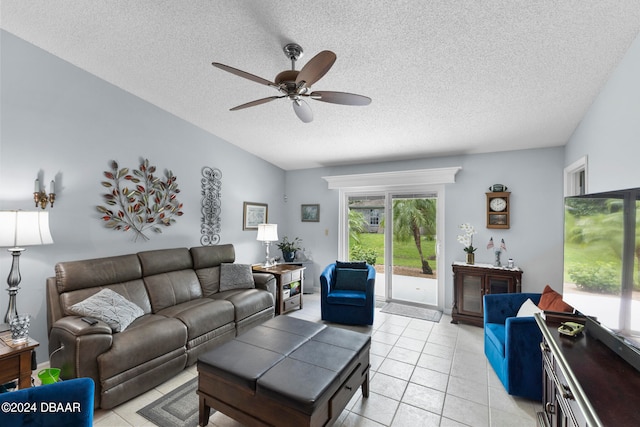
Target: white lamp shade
[
  {"x": 24, "y": 228},
  {"x": 267, "y": 232}
]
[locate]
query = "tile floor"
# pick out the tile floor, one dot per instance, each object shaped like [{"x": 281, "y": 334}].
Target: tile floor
[{"x": 422, "y": 374}]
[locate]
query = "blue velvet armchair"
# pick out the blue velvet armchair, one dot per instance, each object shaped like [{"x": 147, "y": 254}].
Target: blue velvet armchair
[
  {"x": 348, "y": 293},
  {"x": 512, "y": 344},
  {"x": 61, "y": 404}
]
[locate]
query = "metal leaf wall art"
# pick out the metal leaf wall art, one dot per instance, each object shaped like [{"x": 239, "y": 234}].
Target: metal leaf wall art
[
  {"x": 211, "y": 186},
  {"x": 139, "y": 201}
]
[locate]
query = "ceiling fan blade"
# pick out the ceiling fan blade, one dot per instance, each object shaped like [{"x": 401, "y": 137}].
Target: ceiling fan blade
[
  {"x": 256, "y": 102},
  {"x": 243, "y": 74},
  {"x": 343, "y": 98},
  {"x": 316, "y": 68},
  {"x": 302, "y": 110}
]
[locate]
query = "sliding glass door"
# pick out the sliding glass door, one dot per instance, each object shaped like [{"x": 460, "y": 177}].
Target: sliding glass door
[
  {"x": 398, "y": 233},
  {"x": 366, "y": 237},
  {"x": 413, "y": 259}
]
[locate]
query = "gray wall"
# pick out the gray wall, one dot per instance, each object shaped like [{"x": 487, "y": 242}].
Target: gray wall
[
  {"x": 67, "y": 124},
  {"x": 534, "y": 240},
  {"x": 609, "y": 134}
]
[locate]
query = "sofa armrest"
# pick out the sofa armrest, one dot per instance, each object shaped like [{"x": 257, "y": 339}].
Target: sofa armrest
[
  {"x": 74, "y": 347},
  {"x": 267, "y": 282}
]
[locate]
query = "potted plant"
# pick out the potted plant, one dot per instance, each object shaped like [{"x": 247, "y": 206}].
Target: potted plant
[
  {"x": 289, "y": 248},
  {"x": 467, "y": 241}
]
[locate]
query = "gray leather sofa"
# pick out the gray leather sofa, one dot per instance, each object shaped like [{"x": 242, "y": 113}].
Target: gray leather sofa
[{"x": 185, "y": 314}]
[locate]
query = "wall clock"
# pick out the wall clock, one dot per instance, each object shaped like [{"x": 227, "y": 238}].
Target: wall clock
[{"x": 498, "y": 209}]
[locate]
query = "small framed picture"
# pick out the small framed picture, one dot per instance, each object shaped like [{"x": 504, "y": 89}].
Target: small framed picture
[
  {"x": 254, "y": 214},
  {"x": 310, "y": 213},
  {"x": 498, "y": 219}
]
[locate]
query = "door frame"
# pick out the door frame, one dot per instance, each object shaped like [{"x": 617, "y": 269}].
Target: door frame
[{"x": 388, "y": 192}]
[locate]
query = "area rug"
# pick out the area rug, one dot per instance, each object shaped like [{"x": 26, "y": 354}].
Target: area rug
[
  {"x": 412, "y": 311},
  {"x": 178, "y": 408}
]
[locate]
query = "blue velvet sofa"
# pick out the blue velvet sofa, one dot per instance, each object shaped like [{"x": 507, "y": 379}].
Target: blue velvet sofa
[
  {"x": 348, "y": 293},
  {"x": 62, "y": 404},
  {"x": 512, "y": 344}
]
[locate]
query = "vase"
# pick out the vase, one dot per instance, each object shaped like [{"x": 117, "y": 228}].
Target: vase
[
  {"x": 471, "y": 258},
  {"x": 288, "y": 256}
]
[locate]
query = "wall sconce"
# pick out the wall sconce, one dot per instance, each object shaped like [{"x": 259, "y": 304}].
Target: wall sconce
[{"x": 40, "y": 196}]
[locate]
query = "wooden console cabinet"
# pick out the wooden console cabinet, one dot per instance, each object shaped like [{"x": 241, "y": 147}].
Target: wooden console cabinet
[
  {"x": 290, "y": 283},
  {"x": 584, "y": 382},
  {"x": 472, "y": 281}
]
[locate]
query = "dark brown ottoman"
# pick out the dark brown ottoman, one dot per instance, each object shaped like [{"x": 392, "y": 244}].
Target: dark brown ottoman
[{"x": 285, "y": 372}]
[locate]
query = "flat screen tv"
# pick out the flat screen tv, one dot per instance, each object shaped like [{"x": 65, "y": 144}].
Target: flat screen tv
[{"x": 602, "y": 260}]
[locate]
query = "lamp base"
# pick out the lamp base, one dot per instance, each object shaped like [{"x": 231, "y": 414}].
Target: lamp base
[{"x": 13, "y": 280}]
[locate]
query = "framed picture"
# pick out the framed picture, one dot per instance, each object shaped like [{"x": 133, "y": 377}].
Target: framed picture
[
  {"x": 254, "y": 214},
  {"x": 310, "y": 213}
]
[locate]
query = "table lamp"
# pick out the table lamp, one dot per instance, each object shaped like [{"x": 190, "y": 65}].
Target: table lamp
[
  {"x": 17, "y": 229},
  {"x": 267, "y": 233}
]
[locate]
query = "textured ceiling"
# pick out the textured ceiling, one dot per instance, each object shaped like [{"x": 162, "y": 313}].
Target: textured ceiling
[{"x": 445, "y": 77}]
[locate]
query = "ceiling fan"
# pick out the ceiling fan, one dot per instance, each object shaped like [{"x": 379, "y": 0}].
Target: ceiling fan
[{"x": 296, "y": 85}]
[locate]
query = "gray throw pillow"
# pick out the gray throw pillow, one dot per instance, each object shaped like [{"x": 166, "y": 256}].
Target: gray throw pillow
[
  {"x": 236, "y": 276},
  {"x": 110, "y": 307}
]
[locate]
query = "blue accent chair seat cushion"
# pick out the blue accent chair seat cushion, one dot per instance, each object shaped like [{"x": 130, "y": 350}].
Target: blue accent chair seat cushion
[
  {"x": 348, "y": 293},
  {"x": 512, "y": 344}
]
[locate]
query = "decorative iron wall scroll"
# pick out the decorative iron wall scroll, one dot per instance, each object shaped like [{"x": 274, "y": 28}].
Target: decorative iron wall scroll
[{"x": 211, "y": 185}]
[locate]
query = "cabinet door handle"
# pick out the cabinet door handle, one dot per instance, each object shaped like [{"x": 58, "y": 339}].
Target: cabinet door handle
[
  {"x": 549, "y": 408},
  {"x": 565, "y": 391},
  {"x": 544, "y": 347}
]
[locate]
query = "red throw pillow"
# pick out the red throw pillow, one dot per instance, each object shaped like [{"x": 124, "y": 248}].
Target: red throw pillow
[{"x": 552, "y": 301}]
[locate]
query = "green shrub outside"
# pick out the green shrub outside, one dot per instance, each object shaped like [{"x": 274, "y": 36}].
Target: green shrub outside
[{"x": 602, "y": 277}]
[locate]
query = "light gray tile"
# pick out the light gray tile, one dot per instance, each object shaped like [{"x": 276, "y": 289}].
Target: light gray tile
[
  {"x": 404, "y": 355},
  {"x": 465, "y": 411},
  {"x": 384, "y": 337},
  {"x": 410, "y": 343},
  {"x": 434, "y": 362},
  {"x": 424, "y": 397},
  {"x": 375, "y": 361},
  {"x": 380, "y": 349},
  {"x": 388, "y": 386},
  {"x": 390, "y": 328},
  {"x": 417, "y": 334},
  {"x": 504, "y": 419},
  {"x": 501, "y": 400},
  {"x": 446, "y": 340},
  {"x": 410, "y": 416},
  {"x": 396, "y": 369},
  {"x": 467, "y": 389},
  {"x": 420, "y": 324},
  {"x": 376, "y": 407},
  {"x": 399, "y": 320},
  {"x": 429, "y": 378},
  {"x": 439, "y": 350},
  {"x": 355, "y": 420}
]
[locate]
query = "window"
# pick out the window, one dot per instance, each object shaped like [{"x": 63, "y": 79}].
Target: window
[
  {"x": 575, "y": 178},
  {"x": 374, "y": 217}
]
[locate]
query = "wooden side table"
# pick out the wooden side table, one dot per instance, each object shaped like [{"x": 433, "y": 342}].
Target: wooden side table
[
  {"x": 15, "y": 360},
  {"x": 286, "y": 275}
]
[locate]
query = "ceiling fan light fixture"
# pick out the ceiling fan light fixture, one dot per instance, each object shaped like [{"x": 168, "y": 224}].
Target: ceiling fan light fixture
[{"x": 296, "y": 84}]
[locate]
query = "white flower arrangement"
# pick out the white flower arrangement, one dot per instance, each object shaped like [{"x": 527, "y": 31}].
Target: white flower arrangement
[{"x": 467, "y": 237}]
